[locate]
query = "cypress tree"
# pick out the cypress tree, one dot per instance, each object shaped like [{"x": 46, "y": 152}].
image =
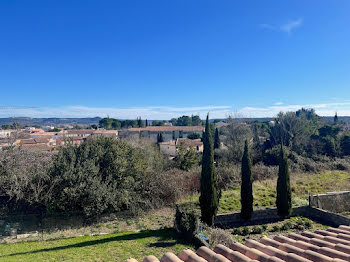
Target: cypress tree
[
  {"x": 209, "y": 198},
  {"x": 160, "y": 138},
  {"x": 146, "y": 123},
  {"x": 284, "y": 194},
  {"x": 335, "y": 118},
  {"x": 246, "y": 185},
  {"x": 216, "y": 139}
]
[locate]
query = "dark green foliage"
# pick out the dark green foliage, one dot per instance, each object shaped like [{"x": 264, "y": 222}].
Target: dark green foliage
[
  {"x": 345, "y": 145},
  {"x": 196, "y": 121},
  {"x": 293, "y": 129},
  {"x": 335, "y": 120},
  {"x": 158, "y": 123},
  {"x": 257, "y": 230},
  {"x": 284, "y": 194},
  {"x": 209, "y": 197},
  {"x": 106, "y": 175},
  {"x": 286, "y": 226},
  {"x": 146, "y": 123},
  {"x": 187, "y": 121},
  {"x": 187, "y": 219},
  {"x": 186, "y": 159},
  {"x": 140, "y": 123},
  {"x": 246, "y": 185},
  {"x": 111, "y": 123},
  {"x": 275, "y": 228},
  {"x": 193, "y": 136},
  {"x": 217, "y": 142},
  {"x": 329, "y": 146},
  {"x": 245, "y": 231},
  {"x": 160, "y": 138},
  {"x": 184, "y": 121},
  {"x": 328, "y": 130}
]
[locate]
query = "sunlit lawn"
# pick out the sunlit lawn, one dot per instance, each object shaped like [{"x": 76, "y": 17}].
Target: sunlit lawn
[{"x": 113, "y": 247}]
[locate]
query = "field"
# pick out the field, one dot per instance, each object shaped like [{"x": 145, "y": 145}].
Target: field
[
  {"x": 113, "y": 247},
  {"x": 302, "y": 185}
]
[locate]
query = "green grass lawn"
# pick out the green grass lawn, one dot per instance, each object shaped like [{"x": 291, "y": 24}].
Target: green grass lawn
[
  {"x": 113, "y": 247},
  {"x": 265, "y": 191}
]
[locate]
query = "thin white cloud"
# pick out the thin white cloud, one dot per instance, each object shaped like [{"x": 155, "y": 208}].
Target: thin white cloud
[
  {"x": 287, "y": 28},
  {"x": 164, "y": 112},
  {"x": 325, "y": 109},
  {"x": 156, "y": 112},
  {"x": 291, "y": 25}
]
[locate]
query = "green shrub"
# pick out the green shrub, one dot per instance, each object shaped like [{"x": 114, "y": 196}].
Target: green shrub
[
  {"x": 237, "y": 231},
  {"x": 257, "y": 230},
  {"x": 264, "y": 227},
  {"x": 187, "y": 219},
  {"x": 287, "y": 226},
  {"x": 308, "y": 225},
  {"x": 275, "y": 228},
  {"x": 245, "y": 231}
]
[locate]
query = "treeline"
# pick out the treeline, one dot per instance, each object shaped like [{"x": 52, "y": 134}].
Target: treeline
[
  {"x": 303, "y": 133},
  {"x": 112, "y": 123}
]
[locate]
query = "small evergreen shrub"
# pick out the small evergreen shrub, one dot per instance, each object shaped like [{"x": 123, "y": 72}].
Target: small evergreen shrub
[
  {"x": 257, "y": 230},
  {"x": 275, "y": 228},
  {"x": 245, "y": 231},
  {"x": 237, "y": 231},
  {"x": 287, "y": 226},
  {"x": 187, "y": 219}
]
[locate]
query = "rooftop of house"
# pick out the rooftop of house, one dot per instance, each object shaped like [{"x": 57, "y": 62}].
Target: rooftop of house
[
  {"x": 168, "y": 128},
  {"x": 80, "y": 131},
  {"x": 36, "y": 147},
  {"x": 332, "y": 244}
]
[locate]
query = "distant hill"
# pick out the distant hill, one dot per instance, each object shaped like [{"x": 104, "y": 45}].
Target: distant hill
[
  {"x": 55, "y": 121},
  {"x": 27, "y": 121}
]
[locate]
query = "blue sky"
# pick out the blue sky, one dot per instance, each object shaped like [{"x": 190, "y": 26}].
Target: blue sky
[{"x": 159, "y": 59}]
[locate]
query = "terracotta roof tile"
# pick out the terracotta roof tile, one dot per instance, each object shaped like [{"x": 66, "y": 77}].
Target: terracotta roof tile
[{"x": 304, "y": 247}]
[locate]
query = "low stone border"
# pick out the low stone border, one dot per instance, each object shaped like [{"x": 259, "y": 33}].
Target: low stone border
[{"x": 270, "y": 215}]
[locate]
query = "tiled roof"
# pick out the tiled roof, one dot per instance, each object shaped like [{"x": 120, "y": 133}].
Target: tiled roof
[
  {"x": 80, "y": 131},
  {"x": 36, "y": 147},
  {"x": 30, "y": 141},
  {"x": 328, "y": 245},
  {"x": 41, "y": 140},
  {"x": 168, "y": 129}
]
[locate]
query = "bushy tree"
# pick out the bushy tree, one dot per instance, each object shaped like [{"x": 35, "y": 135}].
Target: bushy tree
[
  {"x": 246, "y": 185},
  {"x": 196, "y": 120},
  {"x": 233, "y": 137},
  {"x": 158, "y": 123},
  {"x": 184, "y": 121},
  {"x": 209, "y": 195},
  {"x": 24, "y": 180},
  {"x": 99, "y": 176},
  {"x": 284, "y": 194},
  {"x": 193, "y": 136},
  {"x": 293, "y": 129},
  {"x": 186, "y": 159}
]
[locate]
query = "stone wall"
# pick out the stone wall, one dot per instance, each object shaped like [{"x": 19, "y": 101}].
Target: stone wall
[
  {"x": 336, "y": 202},
  {"x": 270, "y": 215}
]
